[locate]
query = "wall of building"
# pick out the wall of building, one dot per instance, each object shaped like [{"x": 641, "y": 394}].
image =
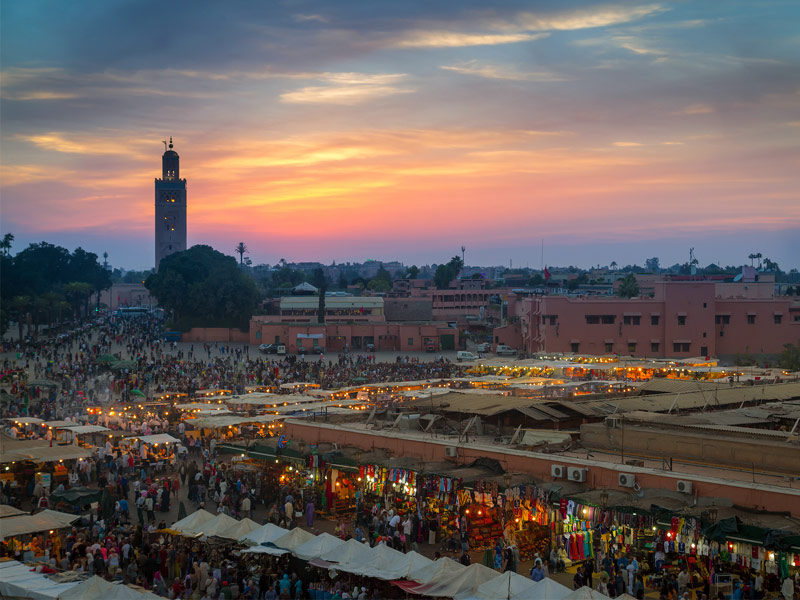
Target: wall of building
[
  {"x": 408, "y": 309},
  {"x": 216, "y": 334},
  {"x": 700, "y": 448},
  {"x": 127, "y": 294},
  {"x": 695, "y": 304},
  {"x": 601, "y": 475}
]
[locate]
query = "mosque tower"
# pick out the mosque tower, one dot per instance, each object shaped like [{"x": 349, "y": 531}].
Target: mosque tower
[{"x": 170, "y": 226}]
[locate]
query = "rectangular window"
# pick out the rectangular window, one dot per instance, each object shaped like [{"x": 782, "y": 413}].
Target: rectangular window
[
  {"x": 549, "y": 319},
  {"x": 705, "y": 305},
  {"x": 703, "y": 350},
  {"x": 654, "y": 320},
  {"x": 410, "y": 341},
  {"x": 777, "y": 319},
  {"x": 680, "y": 347},
  {"x": 654, "y": 346},
  {"x": 609, "y": 347},
  {"x": 600, "y": 319},
  {"x": 630, "y": 320},
  {"x": 592, "y": 319},
  {"x": 681, "y": 319},
  {"x": 751, "y": 319},
  {"x": 576, "y": 347},
  {"x": 722, "y": 319},
  {"x": 631, "y": 348}
]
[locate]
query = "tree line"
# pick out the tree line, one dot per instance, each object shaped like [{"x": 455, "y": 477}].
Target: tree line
[{"x": 44, "y": 284}]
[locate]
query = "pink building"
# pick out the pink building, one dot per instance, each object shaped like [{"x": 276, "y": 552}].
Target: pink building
[{"x": 681, "y": 319}]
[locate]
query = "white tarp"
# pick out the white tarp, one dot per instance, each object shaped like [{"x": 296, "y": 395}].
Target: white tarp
[
  {"x": 461, "y": 583},
  {"x": 508, "y": 586},
  {"x": 98, "y": 588},
  {"x": 43, "y": 521},
  {"x": 17, "y": 580},
  {"x": 316, "y": 547},
  {"x": 266, "y": 534},
  {"x": 436, "y": 569},
  {"x": 242, "y": 528},
  {"x": 383, "y": 562},
  {"x": 265, "y": 550},
  {"x": 585, "y": 593},
  {"x": 192, "y": 524},
  {"x": 82, "y": 429},
  {"x": 351, "y": 552},
  {"x": 294, "y": 539}
]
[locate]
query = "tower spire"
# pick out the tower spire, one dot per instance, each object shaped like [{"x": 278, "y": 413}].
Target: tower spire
[{"x": 170, "y": 142}]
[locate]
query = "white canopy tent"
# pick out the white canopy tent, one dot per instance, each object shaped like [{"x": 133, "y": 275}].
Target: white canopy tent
[
  {"x": 266, "y": 534},
  {"x": 97, "y": 588},
  {"x": 352, "y": 551},
  {"x": 548, "y": 589},
  {"x": 43, "y": 521},
  {"x": 294, "y": 539},
  {"x": 158, "y": 438},
  {"x": 435, "y": 569},
  {"x": 265, "y": 550},
  {"x": 508, "y": 586},
  {"x": 585, "y": 593},
  {"x": 316, "y": 547},
  {"x": 192, "y": 525},
  {"x": 457, "y": 584}
]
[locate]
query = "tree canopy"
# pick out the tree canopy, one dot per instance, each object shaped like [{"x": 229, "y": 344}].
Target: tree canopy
[
  {"x": 446, "y": 273},
  {"x": 45, "y": 280},
  {"x": 201, "y": 287},
  {"x": 628, "y": 287}
]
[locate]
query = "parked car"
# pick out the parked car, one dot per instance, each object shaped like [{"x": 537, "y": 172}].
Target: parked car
[
  {"x": 503, "y": 350},
  {"x": 462, "y": 355},
  {"x": 301, "y": 349},
  {"x": 268, "y": 348},
  {"x": 280, "y": 350},
  {"x": 430, "y": 347},
  {"x": 370, "y": 347},
  {"x": 317, "y": 349},
  {"x": 484, "y": 347}
]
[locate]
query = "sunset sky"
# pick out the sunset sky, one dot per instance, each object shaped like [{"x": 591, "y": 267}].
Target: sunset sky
[{"x": 347, "y": 130}]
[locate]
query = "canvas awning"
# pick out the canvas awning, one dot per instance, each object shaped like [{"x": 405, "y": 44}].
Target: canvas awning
[
  {"x": 43, "y": 521},
  {"x": 316, "y": 547},
  {"x": 158, "y": 438},
  {"x": 17, "y": 581},
  {"x": 97, "y": 588}
]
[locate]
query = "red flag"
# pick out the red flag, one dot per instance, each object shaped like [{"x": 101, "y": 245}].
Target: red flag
[{"x": 546, "y": 274}]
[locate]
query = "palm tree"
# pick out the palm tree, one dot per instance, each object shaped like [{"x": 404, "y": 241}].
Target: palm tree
[
  {"x": 5, "y": 243},
  {"x": 613, "y": 265},
  {"x": 240, "y": 249}
]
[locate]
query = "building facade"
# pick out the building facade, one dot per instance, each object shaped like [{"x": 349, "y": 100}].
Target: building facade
[
  {"x": 170, "y": 223},
  {"x": 681, "y": 319}
]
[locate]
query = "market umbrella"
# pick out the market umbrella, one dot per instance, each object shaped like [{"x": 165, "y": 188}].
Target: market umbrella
[
  {"x": 138, "y": 392},
  {"x": 123, "y": 364},
  {"x": 106, "y": 359},
  {"x": 77, "y": 495},
  {"x": 44, "y": 383},
  {"x": 108, "y": 504},
  {"x": 181, "y": 511}
]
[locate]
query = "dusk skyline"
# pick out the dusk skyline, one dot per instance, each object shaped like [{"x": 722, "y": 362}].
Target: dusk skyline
[{"x": 332, "y": 131}]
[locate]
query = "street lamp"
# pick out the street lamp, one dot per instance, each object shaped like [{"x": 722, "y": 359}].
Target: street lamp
[{"x": 604, "y": 498}]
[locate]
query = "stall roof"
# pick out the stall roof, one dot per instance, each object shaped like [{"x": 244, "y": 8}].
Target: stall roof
[
  {"x": 38, "y": 450},
  {"x": 43, "y": 521},
  {"x": 485, "y": 404},
  {"x": 158, "y": 438},
  {"x": 25, "y": 420},
  {"x": 9, "y": 511},
  {"x": 81, "y": 429}
]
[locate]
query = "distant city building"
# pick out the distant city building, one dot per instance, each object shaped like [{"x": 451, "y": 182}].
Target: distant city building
[{"x": 170, "y": 225}]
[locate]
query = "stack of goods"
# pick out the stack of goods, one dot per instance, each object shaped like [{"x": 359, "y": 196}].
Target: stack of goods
[
  {"x": 531, "y": 542},
  {"x": 483, "y": 532}
]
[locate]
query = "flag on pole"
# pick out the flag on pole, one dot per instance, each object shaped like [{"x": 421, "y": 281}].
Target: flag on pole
[{"x": 546, "y": 274}]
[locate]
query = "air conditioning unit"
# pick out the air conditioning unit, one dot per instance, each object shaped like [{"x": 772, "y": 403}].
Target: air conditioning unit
[
  {"x": 577, "y": 474},
  {"x": 558, "y": 471},
  {"x": 685, "y": 487},
  {"x": 450, "y": 451},
  {"x": 626, "y": 480}
]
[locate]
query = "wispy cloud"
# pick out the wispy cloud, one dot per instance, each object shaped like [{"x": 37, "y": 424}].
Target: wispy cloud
[
  {"x": 627, "y": 144},
  {"x": 505, "y": 72},
  {"x": 301, "y": 18},
  {"x": 696, "y": 109},
  {"x": 348, "y": 88},
  {"x": 589, "y": 18},
  {"x": 454, "y": 39}
]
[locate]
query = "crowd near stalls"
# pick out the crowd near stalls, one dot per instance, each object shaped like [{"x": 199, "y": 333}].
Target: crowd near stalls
[{"x": 166, "y": 470}]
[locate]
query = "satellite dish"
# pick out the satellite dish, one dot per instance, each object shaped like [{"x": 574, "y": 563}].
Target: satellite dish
[{"x": 738, "y": 277}]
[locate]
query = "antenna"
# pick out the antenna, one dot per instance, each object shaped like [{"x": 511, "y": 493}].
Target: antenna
[
  {"x": 170, "y": 142},
  {"x": 165, "y": 144},
  {"x": 463, "y": 249}
]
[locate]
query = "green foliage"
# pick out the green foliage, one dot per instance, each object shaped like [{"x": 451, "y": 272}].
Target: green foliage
[
  {"x": 379, "y": 285},
  {"x": 628, "y": 287},
  {"x": 446, "y": 273},
  {"x": 201, "y": 287},
  {"x": 318, "y": 279},
  {"x": 412, "y": 272},
  {"x": 790, "y": 357},
  {"x": 287, "y": 275}
]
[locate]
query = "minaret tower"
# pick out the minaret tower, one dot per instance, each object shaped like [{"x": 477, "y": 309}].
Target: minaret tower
[{"x": 170, "y": 226}]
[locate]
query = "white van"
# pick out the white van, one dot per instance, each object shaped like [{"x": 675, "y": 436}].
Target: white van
[
  {"x": 503, "y": 350},
  {"x": 466, "y": 356},
  {"x": 281, "y": 349}
]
